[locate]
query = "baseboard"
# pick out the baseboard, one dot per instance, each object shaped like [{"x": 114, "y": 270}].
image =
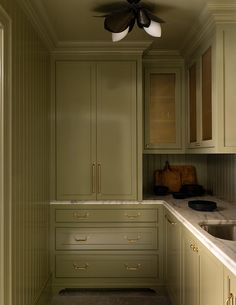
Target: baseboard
[{"x": 46, "y": 293}]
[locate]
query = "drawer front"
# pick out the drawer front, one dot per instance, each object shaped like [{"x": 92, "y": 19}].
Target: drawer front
[
  {"x": 79, "y": 215},
  {"x": 109, "y": 238},
  {"x": 115, "y": 266}
]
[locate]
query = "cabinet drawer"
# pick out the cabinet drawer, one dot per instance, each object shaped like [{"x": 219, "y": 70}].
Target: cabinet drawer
[
  {"x": 86, "y": 215},
  {"x": 109, "y": 238},
  {"x": 115, "y": 266}
]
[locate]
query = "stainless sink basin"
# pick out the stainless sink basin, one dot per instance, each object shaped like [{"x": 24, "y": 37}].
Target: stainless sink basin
[{"x": 222, "y": 230}]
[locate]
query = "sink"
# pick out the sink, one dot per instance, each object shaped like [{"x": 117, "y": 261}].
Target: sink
[{"x": 223, "y": 230}]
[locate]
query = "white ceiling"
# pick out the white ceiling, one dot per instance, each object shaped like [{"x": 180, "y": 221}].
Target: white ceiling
[{"x": 73, "y": 21}]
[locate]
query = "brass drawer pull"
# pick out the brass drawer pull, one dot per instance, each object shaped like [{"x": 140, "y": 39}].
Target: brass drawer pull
[
  {"x": 171, "y": 222},
  {"x": 79, "y": 216},
  {"x": 80, "y": 238},
  {"x": 130, "y": 268},
  {"x": 77, "y": 267},
  {"x": 231, "y": 297},
  {"x": 93, "y": 178},
  {"x": 132, "y": 240},
  {"x": 133, "y": 216}
]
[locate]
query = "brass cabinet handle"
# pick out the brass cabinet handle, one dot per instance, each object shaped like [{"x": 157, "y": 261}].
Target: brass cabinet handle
[
  {"x": 171, "y": 222},
  {"x": 80, "y": 238},
  {"x": 132, "y": 240},
  {"x": 231, "y": 297},
  {"x": 130, "y": 268},
  {"x": 133, "y": 216},
  {"x": 77, "y": 267},
  {"x": 81, "y": 216},
  {"x": 99, "y": 178},
  {"x": 93, "y": 178},
  {"x": 194, "y": 247}
]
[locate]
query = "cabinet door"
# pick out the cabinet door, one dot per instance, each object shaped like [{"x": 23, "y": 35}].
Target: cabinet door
[
  {"x": 229, "y": 288},
  {"x": 116, "y": 130},
  {"x": 206, "y": 100},
  {"x": 173, "y": 258},
  {"x": 193, "y": 104},
  {"x": 75, "y": 130},
  {"x": 211, "y": 279},
  {"x": 162, "y": 109},
  {"x": 190, "y": 271}
]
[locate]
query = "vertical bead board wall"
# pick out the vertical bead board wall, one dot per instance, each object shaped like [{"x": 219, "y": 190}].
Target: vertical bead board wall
[
  {"x": 153, "y": 162},
  {"x": 221, "y": 173},
  {"x": 30, "y": 159}
]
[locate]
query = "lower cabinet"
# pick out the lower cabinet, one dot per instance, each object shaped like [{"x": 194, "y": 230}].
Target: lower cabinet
[
  {"x": 106, "y": 245},
  {"x": 229, "y": 288},
  {"x": 173, "y": 257},
  {"x": 202, "y": 274}
]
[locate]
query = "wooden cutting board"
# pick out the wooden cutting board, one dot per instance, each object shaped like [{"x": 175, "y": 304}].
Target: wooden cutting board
[{"x": 174, "y": 176}]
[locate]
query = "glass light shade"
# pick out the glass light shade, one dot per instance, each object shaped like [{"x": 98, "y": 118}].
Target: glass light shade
[
  {"x": 119, "y": 36},
  {"x": 154, "y": 29}
]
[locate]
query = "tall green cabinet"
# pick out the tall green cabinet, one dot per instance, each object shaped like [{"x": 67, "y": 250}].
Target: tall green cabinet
[{"x": 95, "y": 106}]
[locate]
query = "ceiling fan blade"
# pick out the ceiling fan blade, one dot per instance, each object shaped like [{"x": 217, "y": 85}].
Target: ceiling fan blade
[
  {"x": 142, "y": 18},
  {"x": 111, "y": 7},
  {"x": 154, "y": 17},
  {"x": 119, "y": 21}
]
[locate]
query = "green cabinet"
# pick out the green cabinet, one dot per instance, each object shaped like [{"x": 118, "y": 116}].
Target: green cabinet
[
  {"x": 202, "y": 274},
  {"x": 163, "y": 109},
  {"x": 229, "y": 287},
  {"x": 96, "y": 130},
  {"x": 173, "y": 257},
  {"x": 106, "y": 246},
  {"x": 190, "y": 270}
]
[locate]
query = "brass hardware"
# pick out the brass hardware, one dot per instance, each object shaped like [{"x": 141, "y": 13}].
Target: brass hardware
[
  {"x": 79, "y": 216},
  {"x": 93, "y": 178},
  {"x": 80, "y": 238},
  {"x": 99, "y": 178},
  {"x": 231, "y": 297},
  {"x": 133, "y": 216},
  {"x": 129, "y": 268},
  {"x": 77, "y": 267},
  {"x": 192, "y": 246},
  {"x": 132, "y": 240},
  {"x": 171, "y": 222},
  {"x": 147, "y": 145},
  {"x": 195, "y": 249}
]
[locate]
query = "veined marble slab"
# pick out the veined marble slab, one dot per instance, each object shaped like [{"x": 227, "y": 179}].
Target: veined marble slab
[{"x": 224, "y": 250}]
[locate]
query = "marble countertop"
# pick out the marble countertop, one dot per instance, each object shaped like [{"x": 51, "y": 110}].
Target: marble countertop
[{"x": 224, "y": 250}]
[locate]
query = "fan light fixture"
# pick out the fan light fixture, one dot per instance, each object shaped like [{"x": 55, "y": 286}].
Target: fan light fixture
[{"x": 121, "y": 22}]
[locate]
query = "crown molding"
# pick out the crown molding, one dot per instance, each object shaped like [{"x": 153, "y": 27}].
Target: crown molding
[
  {"x": 40, "y": 22},
  {"x": 71, "y": 47},
  {"x": 211, "y": 15}
]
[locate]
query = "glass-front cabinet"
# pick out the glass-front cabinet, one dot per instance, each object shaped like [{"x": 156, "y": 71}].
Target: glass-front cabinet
[
  {"x": 200, "y": 105},
  {"x": 162, "y": 109}
]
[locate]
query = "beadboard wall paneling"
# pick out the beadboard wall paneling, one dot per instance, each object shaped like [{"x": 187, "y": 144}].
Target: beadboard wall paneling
[
  {"x": 153, "y": 162},
  {"x": 30, "y": 159},
  {"x": 221, "y": 172}
]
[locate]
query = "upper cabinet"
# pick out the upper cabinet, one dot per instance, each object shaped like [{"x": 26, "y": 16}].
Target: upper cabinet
[
  {"x": 211, "y": 71},
  {"x": 200, "y": 131},
  {"x": 163, "y": 106},
  {"x": 95, "y": 143}
]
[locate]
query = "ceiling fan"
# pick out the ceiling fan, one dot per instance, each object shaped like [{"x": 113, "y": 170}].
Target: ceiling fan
[{"x": 122, "y": 17}]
